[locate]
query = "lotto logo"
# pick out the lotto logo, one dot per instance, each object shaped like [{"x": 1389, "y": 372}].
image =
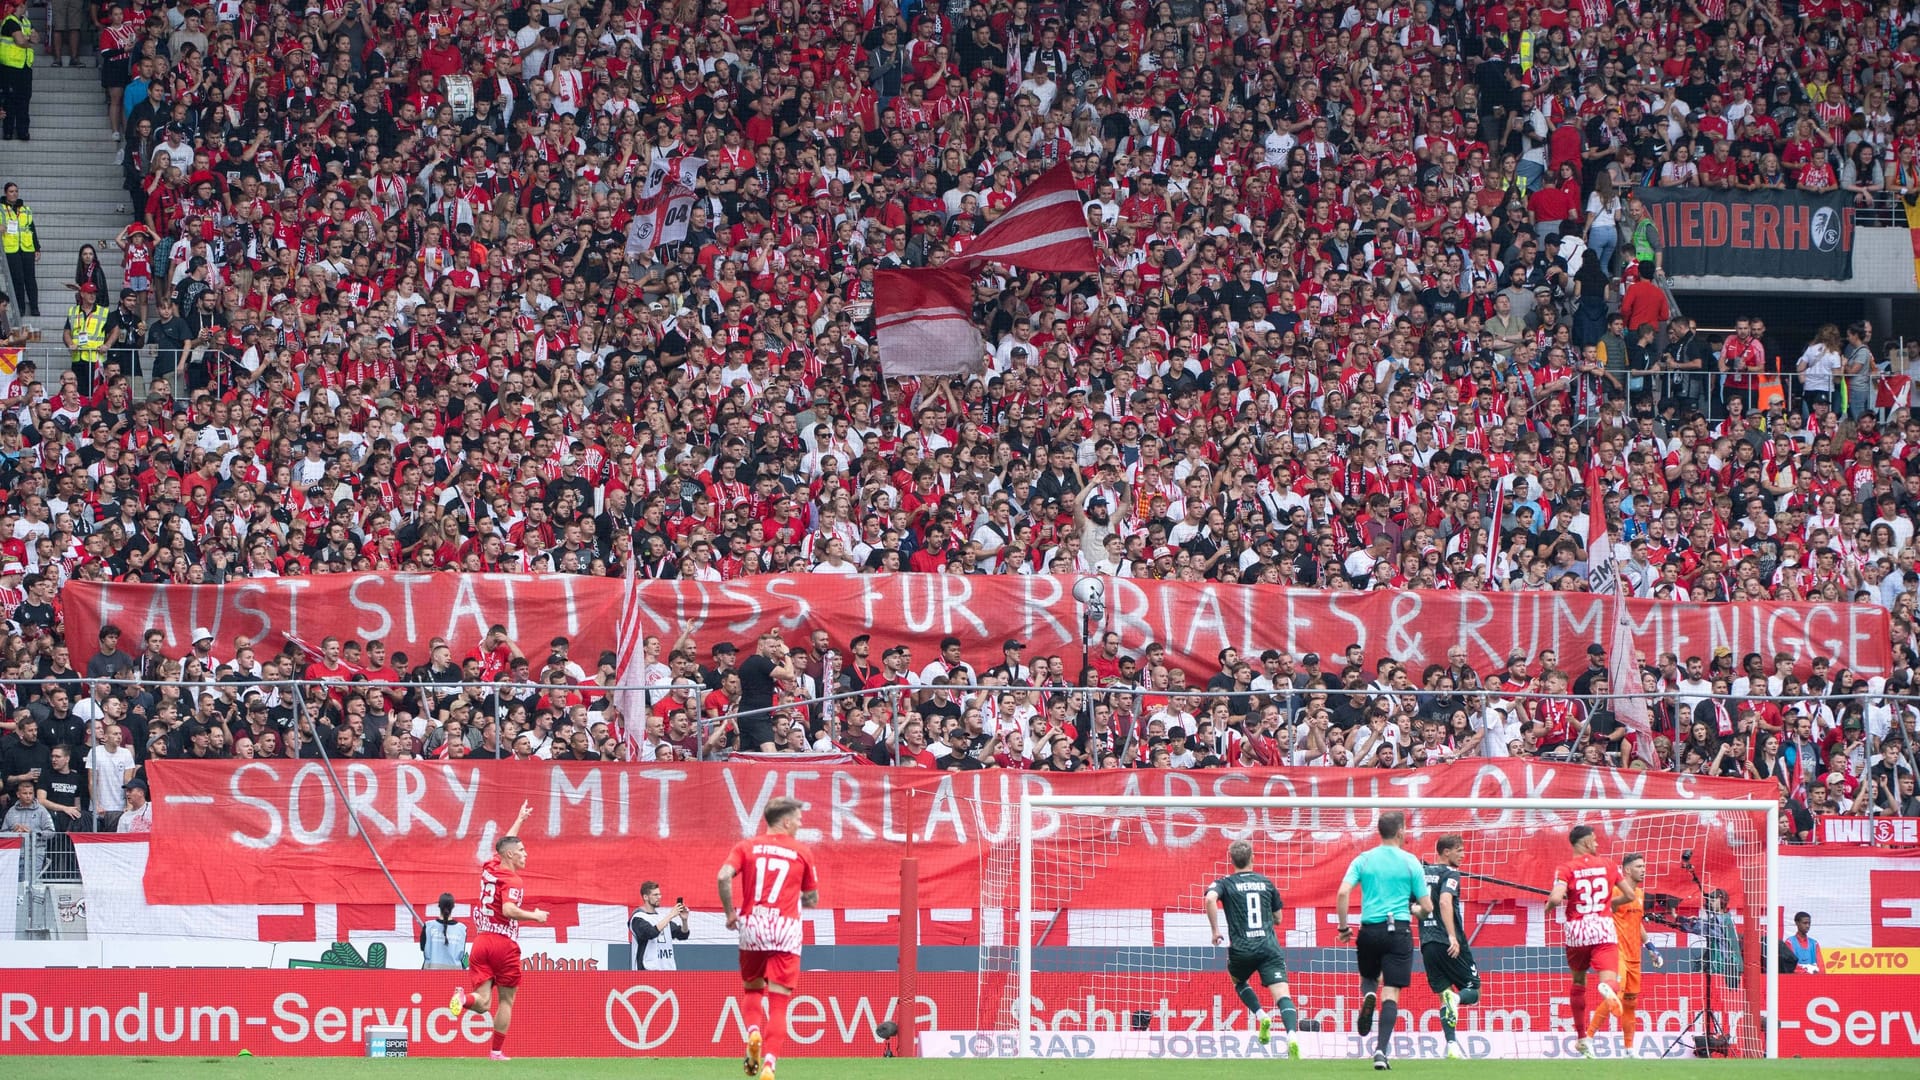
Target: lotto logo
[{"x": 1896, "y": 908}]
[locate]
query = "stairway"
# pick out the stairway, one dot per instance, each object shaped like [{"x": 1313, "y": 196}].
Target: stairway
[{"x": 68, "y": 175}]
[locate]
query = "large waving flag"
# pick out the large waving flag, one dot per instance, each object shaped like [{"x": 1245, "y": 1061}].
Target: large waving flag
[
  {"x": 630, "y": 693},
  {"x": 1600, "y": 569},
  {"x": 924, "y": 322},
  {"x": 1623, "y": 663},
  {"x": 1044, "y": 229}
]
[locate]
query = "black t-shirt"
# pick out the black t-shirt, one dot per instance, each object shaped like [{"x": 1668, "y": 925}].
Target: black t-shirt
[
  {"x": 64, "y": 789},
  {"x": 17, "y": 758},
  {"x": 756, "y": 686}
]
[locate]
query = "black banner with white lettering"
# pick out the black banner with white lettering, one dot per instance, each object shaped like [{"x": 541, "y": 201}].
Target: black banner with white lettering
[{"x": 1777, "y": 234}]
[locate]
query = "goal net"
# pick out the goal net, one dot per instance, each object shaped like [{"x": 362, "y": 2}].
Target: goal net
[{"x": 1117, "y": 958}]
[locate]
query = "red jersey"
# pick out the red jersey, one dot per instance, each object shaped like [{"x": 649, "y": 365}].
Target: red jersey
[
  {"x": 770, "y": 872},
  {"x": 499, "y": 887},
  {"x": 1590, "y": 881}
]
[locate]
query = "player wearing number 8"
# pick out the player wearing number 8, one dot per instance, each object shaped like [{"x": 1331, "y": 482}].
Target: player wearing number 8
[
  {"x": 776, "y": 878},
  {"x": 1250, "y": 902},
  {"x": 1585, "y": 884},
  {"x": 1393, "y": 889}
]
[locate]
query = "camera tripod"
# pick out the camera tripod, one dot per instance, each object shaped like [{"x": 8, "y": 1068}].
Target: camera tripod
[{"x": 1703, "y": 1028}]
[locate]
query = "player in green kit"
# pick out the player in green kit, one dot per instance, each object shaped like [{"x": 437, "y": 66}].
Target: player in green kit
[
  {"x": 1444, "y": 951},
  {"x": 1393, "y": 891},
  {"x": 1251, "y": 902}
]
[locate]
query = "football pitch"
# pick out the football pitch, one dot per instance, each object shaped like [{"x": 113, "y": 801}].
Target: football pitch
[{"x": 260, "y": 1068}]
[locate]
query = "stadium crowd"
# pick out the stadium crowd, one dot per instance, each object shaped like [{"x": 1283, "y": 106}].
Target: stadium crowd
[{"x": 1373, "y": 273}]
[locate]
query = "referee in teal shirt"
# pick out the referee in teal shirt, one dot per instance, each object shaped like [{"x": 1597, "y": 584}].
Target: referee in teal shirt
[{"x": 1393, "y": 892}]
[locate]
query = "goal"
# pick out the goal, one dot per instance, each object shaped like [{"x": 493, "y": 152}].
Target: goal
[{"x": 1094, "y": 943}]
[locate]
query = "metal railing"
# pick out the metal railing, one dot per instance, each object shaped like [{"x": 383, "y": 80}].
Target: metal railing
[{"x": 828, "y": 712}]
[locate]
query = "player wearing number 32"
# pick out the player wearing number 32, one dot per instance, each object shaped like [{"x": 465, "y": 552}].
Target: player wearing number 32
[
  {"x": 1585, "y": 884},
  {"x": 495, "y": 961},
  {"x": 776, "y": 878},
  {"x": 1250, "y": 902},
  {"x": 1393, "y": 890}
]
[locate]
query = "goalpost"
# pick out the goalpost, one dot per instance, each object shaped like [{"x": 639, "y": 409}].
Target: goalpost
[{"x": 1093, "y": 941}]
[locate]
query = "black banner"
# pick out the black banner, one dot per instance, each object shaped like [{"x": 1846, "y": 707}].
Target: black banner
[{"x": 1778, "y": 234}]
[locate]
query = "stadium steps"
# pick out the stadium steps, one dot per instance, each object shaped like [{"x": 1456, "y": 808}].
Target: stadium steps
[{"x": 68, "y": 174}]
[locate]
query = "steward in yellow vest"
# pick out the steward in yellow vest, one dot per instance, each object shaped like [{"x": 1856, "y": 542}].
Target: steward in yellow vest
[
  {"x": 16, "y": 68},
  {"x": 21, "y": 243},
  {"x": 87, "y": 338}
]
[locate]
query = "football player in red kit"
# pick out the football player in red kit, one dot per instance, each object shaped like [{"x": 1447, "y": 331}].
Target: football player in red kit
[
  {"x": 1586, "y": 884},
  {"x": 495, "y": 959},
  {"x": 776, "y": 879}
]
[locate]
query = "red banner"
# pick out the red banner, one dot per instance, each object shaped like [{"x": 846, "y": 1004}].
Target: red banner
[
  {"x": 1195, "y": 621},
  {"x": 1846, "y": 1016},
  {"x": 688, "y": 1014},
  {"x": 407, "y": 611},
  {"x": 279, "y": 831},
  {"x": 1876, "y": 831}
]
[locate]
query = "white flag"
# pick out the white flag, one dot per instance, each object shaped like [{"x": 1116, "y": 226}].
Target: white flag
[
  {"x": 664, "y": 173},
  {"x": 662, "y": 219}
]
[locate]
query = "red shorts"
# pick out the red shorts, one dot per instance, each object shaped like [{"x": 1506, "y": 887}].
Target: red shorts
[
  {"x": 495, "y": 958},
  {"x": 781, "y": 968},
  {"x": 1593, "y": 957}
]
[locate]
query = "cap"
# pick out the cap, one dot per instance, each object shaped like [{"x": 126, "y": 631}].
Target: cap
[
  {"x": 201, "y": 633},
  {"x": 1596, "y": 649},
  {"x": 87, "y": 287},
  {"x": 1310, "y": 658},
  {"x": 725, "y": 648},
  {"x": 12, "y": 567},
  {"x": 1012, "y": 643}
]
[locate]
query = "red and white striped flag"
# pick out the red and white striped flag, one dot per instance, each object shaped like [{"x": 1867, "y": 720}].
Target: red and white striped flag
[
  {"x": 1045, "y": 228},
  {"x": 1600, "y": 568},
  {"x": 630, "y": 695},
  {"x": 924, "y": 321},
  {"x": 1494, "y": 539}
]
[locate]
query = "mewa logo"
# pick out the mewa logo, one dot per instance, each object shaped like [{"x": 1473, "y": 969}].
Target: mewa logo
[{"x": 633, "y": 1026}]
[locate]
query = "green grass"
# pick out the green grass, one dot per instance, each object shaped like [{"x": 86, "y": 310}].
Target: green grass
[{"x": 166, "y": 1068}]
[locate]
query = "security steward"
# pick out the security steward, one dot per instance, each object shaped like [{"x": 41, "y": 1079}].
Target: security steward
[
  {"x": 87, "y": 339},
  {"x": 17, "y": 38},
  {"x": 21, "y": 242}
]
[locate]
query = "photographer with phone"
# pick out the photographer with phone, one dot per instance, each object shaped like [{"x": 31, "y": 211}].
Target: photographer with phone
[{"x": 654, "y": 929}]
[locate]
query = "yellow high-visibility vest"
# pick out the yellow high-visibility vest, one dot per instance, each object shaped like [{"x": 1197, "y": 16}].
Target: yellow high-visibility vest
[
  {"x": 16, "y": 228},
  {"x": 89, "y": 334},
  {"x": 17, "y": 56}
]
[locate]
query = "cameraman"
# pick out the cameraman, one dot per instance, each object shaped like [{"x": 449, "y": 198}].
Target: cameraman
[
  {"x": 1720, "y": 953},
  {"x": 654, "y": 931}
]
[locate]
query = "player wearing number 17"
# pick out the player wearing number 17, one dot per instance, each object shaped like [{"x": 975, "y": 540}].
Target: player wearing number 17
[
  {"x": 776, "y": 879},
  {"x": 1250, "y": 901},
  {"x": 1585, "y": 884},
  {"x": 495, "y": 961}
]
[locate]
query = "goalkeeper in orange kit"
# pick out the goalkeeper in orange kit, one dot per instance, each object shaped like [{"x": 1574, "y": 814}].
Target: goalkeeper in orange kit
[{"x": 1629, "y": 915}]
